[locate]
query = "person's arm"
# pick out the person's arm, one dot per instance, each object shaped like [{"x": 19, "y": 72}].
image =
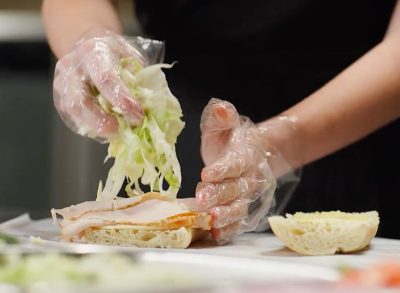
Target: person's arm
[
  {"x": 236, "y": 185},
  {"x": 360, "y": 100},
  {"x": 394, "y": 24},
  {"x": 66, "y": 21}
]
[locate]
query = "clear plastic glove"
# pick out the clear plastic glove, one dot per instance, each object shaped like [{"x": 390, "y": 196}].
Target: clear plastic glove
[
  {"x": 238, "y": 185},
  {"x": 92, "y": 67}
]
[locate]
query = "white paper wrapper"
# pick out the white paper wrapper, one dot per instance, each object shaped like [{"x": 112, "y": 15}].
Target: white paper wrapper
[{"x": 251, "y": 257}]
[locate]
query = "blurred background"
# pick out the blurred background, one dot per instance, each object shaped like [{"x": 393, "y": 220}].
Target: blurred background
[{"x": 43, "y": 164}]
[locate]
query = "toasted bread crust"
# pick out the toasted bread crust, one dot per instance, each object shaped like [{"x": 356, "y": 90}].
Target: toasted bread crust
[{"x": 128, "y": 235}]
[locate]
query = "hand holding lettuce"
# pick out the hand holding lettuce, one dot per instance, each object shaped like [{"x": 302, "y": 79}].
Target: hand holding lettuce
[
  {"x": 106, "y": 89},
  {"x": 93, "y": 67}
]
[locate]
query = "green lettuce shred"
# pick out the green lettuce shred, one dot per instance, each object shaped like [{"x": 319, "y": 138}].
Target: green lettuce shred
[{"x": 145, "y": 155}]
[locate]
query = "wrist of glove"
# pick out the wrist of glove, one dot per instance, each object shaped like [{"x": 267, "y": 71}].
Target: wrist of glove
[
  {"x": 93, "y": 68},
  {"x": 238, "y": 184}
]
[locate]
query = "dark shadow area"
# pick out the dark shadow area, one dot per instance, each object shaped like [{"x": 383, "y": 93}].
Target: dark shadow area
[{"x": 25, "y": 127}]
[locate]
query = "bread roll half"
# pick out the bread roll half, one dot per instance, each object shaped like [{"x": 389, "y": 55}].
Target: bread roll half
[
  {"x": 324, "y": 233},
  {"x": 129, "y": 235}
]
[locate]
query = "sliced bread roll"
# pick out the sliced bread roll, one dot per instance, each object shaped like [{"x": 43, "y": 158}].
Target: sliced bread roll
[
  {"x": 128, "y": 235},
  {"x": 149, "y": 220},
  {"x": 324, "y": 233}
]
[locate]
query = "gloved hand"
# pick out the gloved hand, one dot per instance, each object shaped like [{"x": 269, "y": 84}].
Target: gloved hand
[
  {"x": 238, "y": 185},
  {"x": 92, "y": 67}
]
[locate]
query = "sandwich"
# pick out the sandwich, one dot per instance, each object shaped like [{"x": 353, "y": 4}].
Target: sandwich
[
  {"x": 149, "y": 220},
  {"x": 144, "y": 157},
  {"x": 323, "y": 233}
]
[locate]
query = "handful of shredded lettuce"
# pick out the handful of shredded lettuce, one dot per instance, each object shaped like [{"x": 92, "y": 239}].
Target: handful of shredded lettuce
[{"x": 145, "y": 155}]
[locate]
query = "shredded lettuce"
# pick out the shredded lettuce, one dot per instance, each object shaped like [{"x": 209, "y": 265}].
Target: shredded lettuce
[
  {"x": 53, "y": 272},
  {"x": 145, "y": 155}
]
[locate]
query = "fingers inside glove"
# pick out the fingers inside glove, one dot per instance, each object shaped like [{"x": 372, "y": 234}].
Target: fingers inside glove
[
  {"x": 212, "y": 194},
  {"x": 223, "y": 235},
  {"x": 101, "y": 68},
  {"x": 85, "y": 113},
  {"x": 217, "y": 120},
  {"x": 219, "y": 115},
  {"x": 231, "y": 165},
  {"x": 247, "y": 188},
  {"x": 76, "y": 105},
  {"x": 227, "y": 214}
]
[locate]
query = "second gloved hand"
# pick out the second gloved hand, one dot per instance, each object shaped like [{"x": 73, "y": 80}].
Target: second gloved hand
[{"x": 237, "y": 186}]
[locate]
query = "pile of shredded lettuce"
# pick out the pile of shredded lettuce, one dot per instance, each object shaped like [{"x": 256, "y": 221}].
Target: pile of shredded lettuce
[{"x": 145, "y": 155}]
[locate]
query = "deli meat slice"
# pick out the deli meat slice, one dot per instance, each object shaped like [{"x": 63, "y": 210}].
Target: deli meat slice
[
  {"x": 152, "y": 210},
  {"x": 76, "y": 211}
]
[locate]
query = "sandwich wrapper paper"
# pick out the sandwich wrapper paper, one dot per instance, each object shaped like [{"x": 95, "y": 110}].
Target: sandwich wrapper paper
[{"x": 249, "y": 260}]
